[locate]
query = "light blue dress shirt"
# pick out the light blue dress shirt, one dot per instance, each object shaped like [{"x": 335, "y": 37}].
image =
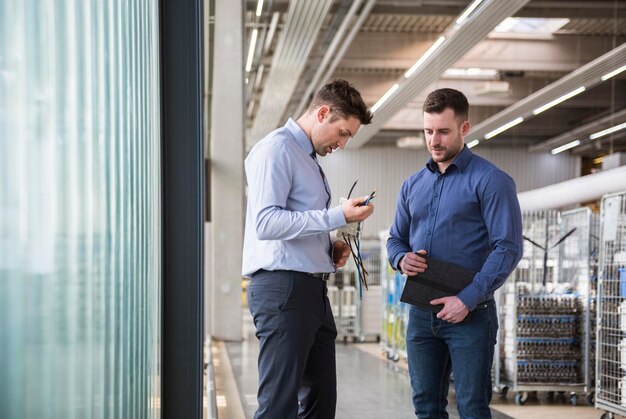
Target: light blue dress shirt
[
  {"x": 468, "y": 215},
  {"x": 287, "y": 221}
]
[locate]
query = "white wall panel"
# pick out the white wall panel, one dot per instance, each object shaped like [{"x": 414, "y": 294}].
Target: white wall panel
[{"x": 385, "y": 168}]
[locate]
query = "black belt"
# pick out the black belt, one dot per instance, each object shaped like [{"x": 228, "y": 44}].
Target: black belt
[
  {"x": 320, "y": 275},
  {"x": 324, "y": 276}
]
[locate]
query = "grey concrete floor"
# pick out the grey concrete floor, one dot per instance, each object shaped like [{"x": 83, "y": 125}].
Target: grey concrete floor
[{"x": 368, "y": 386}]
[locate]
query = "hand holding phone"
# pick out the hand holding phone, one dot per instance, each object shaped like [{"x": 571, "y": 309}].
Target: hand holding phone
[{"x": 369, "y": 198}]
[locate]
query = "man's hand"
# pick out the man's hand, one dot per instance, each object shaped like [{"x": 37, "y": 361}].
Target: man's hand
[
  {"x": 413, "y": 263},
  {"x": 341, "y": 253},
  {"x": 354, "y": 212},
  {"x": 454, "y": 311}
]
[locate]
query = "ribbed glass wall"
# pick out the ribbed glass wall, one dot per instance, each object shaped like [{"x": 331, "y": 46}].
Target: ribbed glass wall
[{"x": 80, "y": 258}]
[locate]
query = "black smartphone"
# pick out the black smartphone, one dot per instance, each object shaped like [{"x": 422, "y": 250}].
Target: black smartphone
[{"x": 369, "y": 198}]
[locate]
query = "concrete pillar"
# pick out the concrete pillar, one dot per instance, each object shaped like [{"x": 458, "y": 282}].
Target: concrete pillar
[{"x": 227, "y": 175}]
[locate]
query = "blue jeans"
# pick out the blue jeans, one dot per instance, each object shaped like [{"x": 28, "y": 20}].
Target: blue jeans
[
  {"x": 296, "y": 330},
  {"x": 436, "y": 347}
]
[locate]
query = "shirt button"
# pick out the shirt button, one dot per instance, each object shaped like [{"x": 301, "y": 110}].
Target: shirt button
[
  {"x": 429, "y": 233},
  {"x": 436, "y": 194}
]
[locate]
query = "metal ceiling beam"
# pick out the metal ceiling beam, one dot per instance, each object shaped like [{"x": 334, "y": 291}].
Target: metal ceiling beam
[
  {"x": 581, "y": 132},
  {"x": 565, "y": 53},
  {"x": 459, "y": 40},
  {"x": 582, "y": 8},
  {"x": 588, "y": 75},
  {"x": 611, "y": 144},
  {"x": 304, "y": 21},
  {"x": 330, "y": 53}
]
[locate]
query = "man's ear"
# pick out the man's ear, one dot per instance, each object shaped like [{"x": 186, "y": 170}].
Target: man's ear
[
  {"x": 322, "y": 111},
  {"x": 465, "y": 126}
]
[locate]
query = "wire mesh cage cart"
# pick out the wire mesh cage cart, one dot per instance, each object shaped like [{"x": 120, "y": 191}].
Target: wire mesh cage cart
[
  {"x": 343, "y": 295},
  {"x": 357, "y": 312},
  {"x": 577, "y": 263},
  {"x": 369, "y": 307},
  {"x": 542, "y": 308},
  {"x": 394, "y": 313},
  {"x": 611, "y": 306}
]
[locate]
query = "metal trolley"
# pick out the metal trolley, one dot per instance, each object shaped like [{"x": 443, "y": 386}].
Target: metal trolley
[
  {"x": 343, "y": 296},
  {"x": 578, "y": 259},
  {"x": 357, "y": 317},
  {"x": 394, "y": 313},
  {"x": 611, "y": 305},
  {"x": 544, "y": 320}
]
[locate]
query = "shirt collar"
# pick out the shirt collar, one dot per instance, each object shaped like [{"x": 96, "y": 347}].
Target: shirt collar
[
  {"x": 460, "y": 161},
  {"x": 301, "y": 138}
]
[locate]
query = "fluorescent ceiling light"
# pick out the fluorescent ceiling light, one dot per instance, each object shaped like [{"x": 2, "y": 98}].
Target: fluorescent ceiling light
[
  {"x": 613, "y": 73},
  {"x": 503, "y": 128},
  {"x": 559, "y": 100},
  {"x": 255, "y": 33},
  {"x": 385, "y": 97},
  {"x": 472, "y": 143},
  {"x": 468, "y": 11},
  {"x": 531, "y": 25},
  {"x": 424, "y": 57},
  {"x": 607, "y": 131},
  {"x": 259, "y": 8},
  {"x": 473, "y": 72},
  {"x": 565, "y": 147},
  {"x": 455, "y": 72}
]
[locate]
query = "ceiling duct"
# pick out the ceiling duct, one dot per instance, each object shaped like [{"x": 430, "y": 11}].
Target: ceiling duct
[
  {"x": 581, "y": 132},
  {"x": 304, "y": 21},
  {"x": 588, "y": 75},
  {"x": 574, "y": 191},
  {"x": 460, "y": 38}
]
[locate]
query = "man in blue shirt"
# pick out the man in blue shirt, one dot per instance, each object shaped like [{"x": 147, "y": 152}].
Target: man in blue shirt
[
  {"x": 461, "y": 209},
  {"x": 288, "y": 254}
]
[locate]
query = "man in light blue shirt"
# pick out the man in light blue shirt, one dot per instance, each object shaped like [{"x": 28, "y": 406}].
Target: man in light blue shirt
[
  {"x": 288, "y": 253},
  {"x": 461, "y": 209}
]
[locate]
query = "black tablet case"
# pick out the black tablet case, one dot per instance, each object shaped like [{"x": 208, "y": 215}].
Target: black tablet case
[{"x": 440, "y": 279}]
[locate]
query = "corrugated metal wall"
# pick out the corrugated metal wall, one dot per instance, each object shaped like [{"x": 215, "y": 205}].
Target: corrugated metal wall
[{"x": 385, "y": 168}]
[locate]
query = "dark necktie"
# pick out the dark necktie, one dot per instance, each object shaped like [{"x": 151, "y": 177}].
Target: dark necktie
[{"x": 314, "y": 157}]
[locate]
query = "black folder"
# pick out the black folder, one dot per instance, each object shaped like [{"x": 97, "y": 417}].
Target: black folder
[{"x": 440, "y": 279}]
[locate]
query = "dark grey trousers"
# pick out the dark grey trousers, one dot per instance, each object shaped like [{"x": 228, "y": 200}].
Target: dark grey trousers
[{"x": 295, "y": 326}]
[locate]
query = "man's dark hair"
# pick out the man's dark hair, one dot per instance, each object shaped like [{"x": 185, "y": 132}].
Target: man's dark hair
[
  {"x": 344, "y": 101},
  {"x": 440, "y": 99}
]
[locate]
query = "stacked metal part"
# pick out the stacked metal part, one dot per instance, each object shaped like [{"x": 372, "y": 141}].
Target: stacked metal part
[{"x": 548, "y": 339}]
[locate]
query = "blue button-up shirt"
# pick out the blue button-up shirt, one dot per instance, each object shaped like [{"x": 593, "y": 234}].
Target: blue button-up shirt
[
  {"x": 469, "y": 216},
  {"x": 287, "y": 221}
]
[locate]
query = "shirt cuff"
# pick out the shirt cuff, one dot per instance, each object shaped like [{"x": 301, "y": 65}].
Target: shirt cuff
[
  {"x": 396, "y": 262},
  {"x": 471, "y": 296},
  {"x": 336, "y": 218}
]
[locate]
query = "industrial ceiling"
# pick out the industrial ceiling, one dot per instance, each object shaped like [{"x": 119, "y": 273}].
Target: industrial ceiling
[{"x": 547, "y": 75}]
